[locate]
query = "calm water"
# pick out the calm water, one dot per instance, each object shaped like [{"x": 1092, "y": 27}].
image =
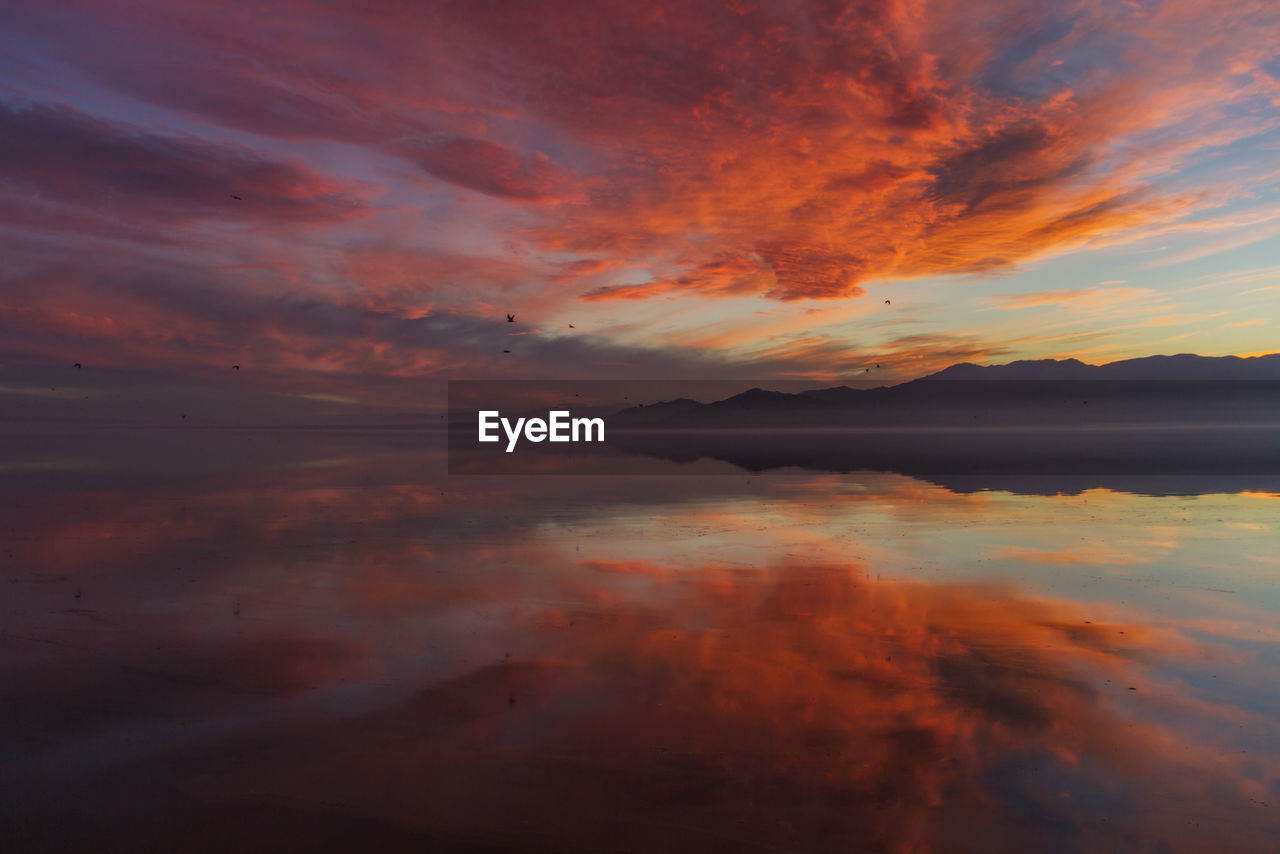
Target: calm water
[{"x": 270, "y": 641}]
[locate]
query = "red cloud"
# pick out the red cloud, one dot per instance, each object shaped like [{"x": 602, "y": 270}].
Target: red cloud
[
  {"x": 487, "y": 167},
  {"x": 629, "y": 150}
]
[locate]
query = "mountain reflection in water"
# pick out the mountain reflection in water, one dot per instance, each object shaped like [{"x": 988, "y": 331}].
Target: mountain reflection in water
[{"x": 323, "y": 642}]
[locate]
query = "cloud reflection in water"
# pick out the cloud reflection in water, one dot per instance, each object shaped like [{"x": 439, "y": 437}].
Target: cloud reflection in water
[{"x": 311, "y": 656}]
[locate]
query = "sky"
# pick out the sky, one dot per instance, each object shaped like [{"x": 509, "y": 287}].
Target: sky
[{"x": 347, "y": 198}]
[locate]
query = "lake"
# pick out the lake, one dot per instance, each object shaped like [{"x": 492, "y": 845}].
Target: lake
[{"x": 320, "y": 640}]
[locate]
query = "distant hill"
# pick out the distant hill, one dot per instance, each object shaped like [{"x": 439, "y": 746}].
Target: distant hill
[
  {"x": 1181, "y": 389},
  {"x": 1184, "y": 366}
]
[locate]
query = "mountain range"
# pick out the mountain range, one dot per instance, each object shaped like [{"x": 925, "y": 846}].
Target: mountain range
[
  {"x": 1184, "y": 366},
  {"x": 1181, "y": 389}
]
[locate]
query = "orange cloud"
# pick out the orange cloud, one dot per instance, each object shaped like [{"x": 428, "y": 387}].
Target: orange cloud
[
  {"x": 1081, "y": 296},
  {"x": 471, "y": 156},
  {"x": 1088, "y": 556}
]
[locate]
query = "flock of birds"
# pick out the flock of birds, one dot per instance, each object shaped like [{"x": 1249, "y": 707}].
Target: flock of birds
[
  {"x": 511, "y": 318},
  {"x": 78, "y": 366}
]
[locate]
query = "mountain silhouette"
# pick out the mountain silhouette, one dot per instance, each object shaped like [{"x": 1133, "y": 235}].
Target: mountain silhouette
[
  {"x": 1184, "y": 389},
  {"x": 1184, "y": 366}
]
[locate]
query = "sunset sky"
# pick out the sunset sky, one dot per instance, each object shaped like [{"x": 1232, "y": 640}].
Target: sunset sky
[{"x": 702, "y": 189}]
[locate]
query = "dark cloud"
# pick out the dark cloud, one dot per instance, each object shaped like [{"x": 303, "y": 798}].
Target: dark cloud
[
  {"x": 63, "y": 155},
  {"x": 486, "y": 167},
  {"x": 999, "y": 171}
]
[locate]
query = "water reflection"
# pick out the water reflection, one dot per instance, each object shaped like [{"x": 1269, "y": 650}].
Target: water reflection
[{"x": 334, "y": 645}]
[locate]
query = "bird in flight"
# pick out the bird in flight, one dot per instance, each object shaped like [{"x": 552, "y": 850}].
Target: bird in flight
[
  {"x": 506, "y": 351},
  {"x": 77, "y": 364},
  {"x": 511, "y": 318},
  {"x": 237, "y": 198},
  {"x": 571, "y": 326},
  {"x": 235, "y": 367},
  {"x": 886, "y": 302}
]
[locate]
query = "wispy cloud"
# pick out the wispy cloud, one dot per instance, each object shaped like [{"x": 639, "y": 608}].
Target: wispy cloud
[
  {"x": 648, "y": 166},
  {"x": 1090, "y": 297}
]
